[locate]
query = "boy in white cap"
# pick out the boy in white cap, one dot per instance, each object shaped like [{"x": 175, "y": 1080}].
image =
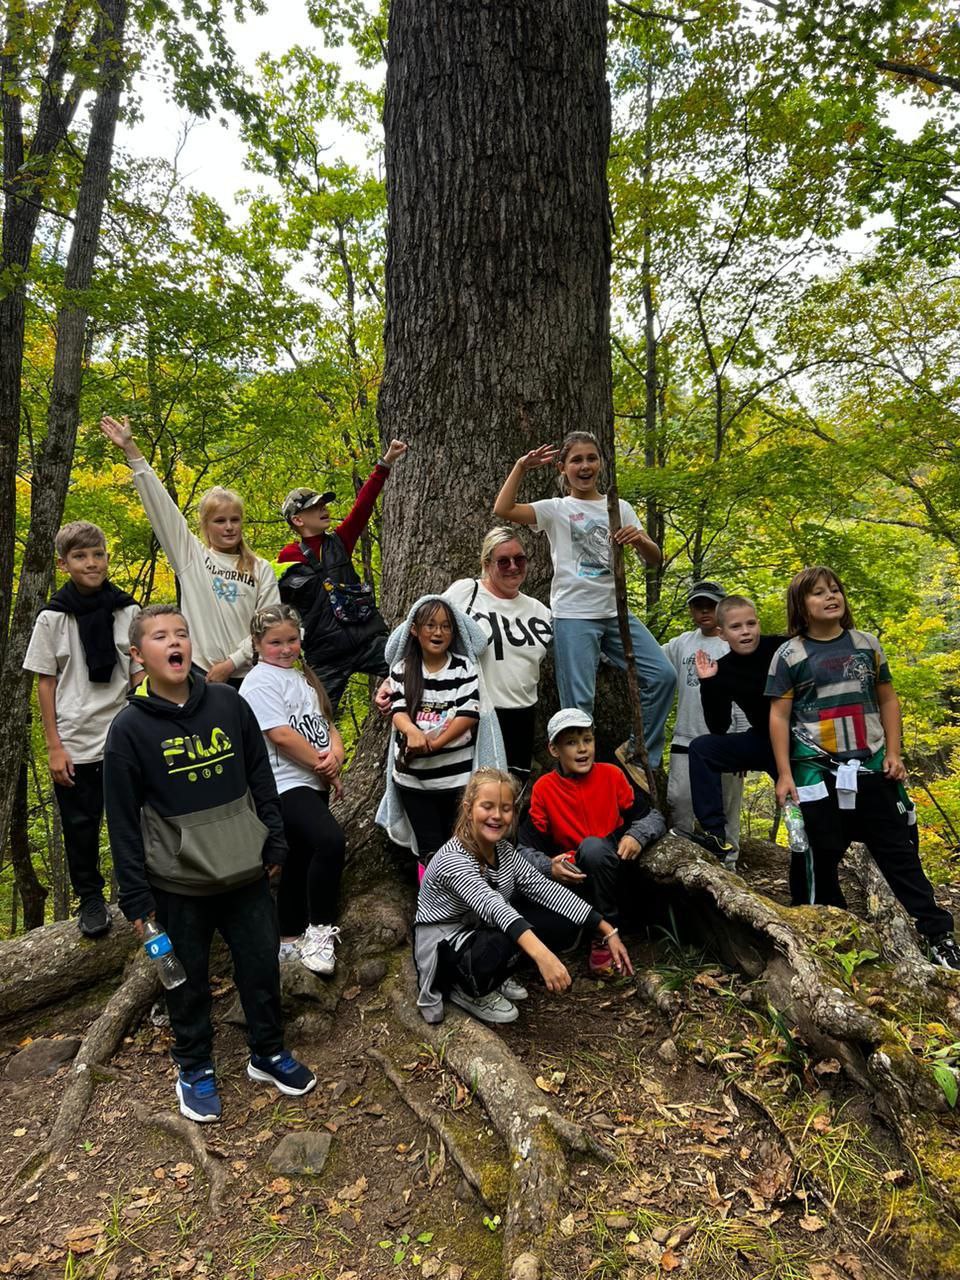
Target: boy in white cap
[
  {"x": 702, "y": 600},
  {"x": 586, "y": 821}
]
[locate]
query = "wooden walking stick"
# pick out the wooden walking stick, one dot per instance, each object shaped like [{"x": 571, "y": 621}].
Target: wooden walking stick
[{"x": 639, "y": 752}]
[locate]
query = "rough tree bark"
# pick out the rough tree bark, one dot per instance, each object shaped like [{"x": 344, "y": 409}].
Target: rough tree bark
[{"x": 497, "y": 128}]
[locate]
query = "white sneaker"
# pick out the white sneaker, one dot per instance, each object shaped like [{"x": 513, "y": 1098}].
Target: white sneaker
[
  {"x": 316, "y": 948},
  {"x": 513, "y": 990},
  {"x": 288, "y": 950},
  {"x": 490, "y": 1008}
]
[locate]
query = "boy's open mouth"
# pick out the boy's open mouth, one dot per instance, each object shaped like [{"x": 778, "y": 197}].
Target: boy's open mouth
[{"x": 176, "y": 660}]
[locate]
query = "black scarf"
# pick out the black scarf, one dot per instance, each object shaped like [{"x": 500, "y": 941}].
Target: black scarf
[{"x": 94, "y": 612}]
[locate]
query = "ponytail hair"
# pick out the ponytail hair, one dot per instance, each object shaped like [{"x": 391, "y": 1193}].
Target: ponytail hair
[
  {"x": 463, "y": 829},
  {"x": 210, "y": 501},
  {"x": 569, "y": 440},
  {"x": 274, "y": 615}
]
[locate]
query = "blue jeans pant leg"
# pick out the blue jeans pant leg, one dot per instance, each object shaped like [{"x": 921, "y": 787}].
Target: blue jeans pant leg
[
  {"x": 576, "y": 654},
  {"x": 655, "y": 675}
]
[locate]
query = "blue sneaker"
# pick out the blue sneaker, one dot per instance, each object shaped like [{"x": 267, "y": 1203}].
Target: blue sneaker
[
  {"x": 197, "y": 1095},
  {"x": 283, "y": 1070}
]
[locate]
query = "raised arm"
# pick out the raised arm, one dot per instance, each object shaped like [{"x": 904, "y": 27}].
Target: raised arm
[{"x": 506, "y": 506}]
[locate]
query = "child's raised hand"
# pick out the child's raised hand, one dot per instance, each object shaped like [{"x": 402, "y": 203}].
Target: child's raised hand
[
  {"x": 118, "y": 433},
  {"x": 542, "y": 457},
  {"x": 706, "y": 666},
  {"x": 395, "y": 451}
]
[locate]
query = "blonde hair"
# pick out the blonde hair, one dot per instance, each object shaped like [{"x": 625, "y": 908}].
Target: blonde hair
[
  {"x": 463, "y": 829},
  {"x": 493, "y": 539},
  {"x": 275, "y": 615},
  {"x": 210, "y": 502}
]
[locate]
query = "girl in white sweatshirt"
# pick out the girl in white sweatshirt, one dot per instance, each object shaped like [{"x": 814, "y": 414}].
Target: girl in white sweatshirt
[{"x": 222, "y": 583}]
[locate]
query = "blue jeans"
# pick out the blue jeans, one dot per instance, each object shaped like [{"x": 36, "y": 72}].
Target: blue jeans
[{"x": 577, "y": 645}]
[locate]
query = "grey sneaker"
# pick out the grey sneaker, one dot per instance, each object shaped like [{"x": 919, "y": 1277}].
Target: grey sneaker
[
  {"x": 316, "y": 948},
  {"x": 490, "y": 1008},
  {"x": 513, "y": 990},
  {"x": 945, "y": 952},
  {"x": 95, "y": 920}
]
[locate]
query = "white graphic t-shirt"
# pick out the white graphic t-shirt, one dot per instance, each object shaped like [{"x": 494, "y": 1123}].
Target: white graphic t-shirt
[
  {"x": 519, "y": 631},
  {"x": 279, "y": 697},
  {"x": 579, "y": 535}
]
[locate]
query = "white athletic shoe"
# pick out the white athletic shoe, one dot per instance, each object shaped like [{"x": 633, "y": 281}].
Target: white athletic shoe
[
  {"x": 288, "y": 950},
  {"x": 513, "y": 990},
  {"x": 316, "y": 948},
  {"x": 491, "y": 1008}
]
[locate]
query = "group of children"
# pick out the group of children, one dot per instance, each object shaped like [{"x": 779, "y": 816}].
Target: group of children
[{"x": 214, "y": 799}]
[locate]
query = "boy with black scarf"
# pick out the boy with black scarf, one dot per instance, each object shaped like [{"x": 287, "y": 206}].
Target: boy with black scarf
[{"x": 80, "y": 652}]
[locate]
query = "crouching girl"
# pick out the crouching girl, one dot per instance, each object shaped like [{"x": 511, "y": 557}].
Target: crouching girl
[{"x": 482, "y": 906}]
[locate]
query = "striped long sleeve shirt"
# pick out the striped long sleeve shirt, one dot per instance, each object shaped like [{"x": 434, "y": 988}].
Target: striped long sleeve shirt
[{"x": 452, "y": 691}]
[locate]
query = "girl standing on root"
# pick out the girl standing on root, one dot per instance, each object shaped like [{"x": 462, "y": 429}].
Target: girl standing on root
[
  {"x": 835, "y": 733},
  {"x": 222, "y": 583},
  {"x": 581, "y": 593},
  {"x": 482, "y": 906},
  {"x": 306, "y": 755},
  {"x": 440, "y": 732}
]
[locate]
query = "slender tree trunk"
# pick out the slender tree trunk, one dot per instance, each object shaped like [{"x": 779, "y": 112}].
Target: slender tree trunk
[
  {"x": 52, "y": 472},
  {"x": 653, "y": 574},
  {"x": 32, "y": 893},
  {"x": 497, "y": 129}
]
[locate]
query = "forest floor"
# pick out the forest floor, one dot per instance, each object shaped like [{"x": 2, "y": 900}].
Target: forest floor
[{"x": 739, "y": 1153}]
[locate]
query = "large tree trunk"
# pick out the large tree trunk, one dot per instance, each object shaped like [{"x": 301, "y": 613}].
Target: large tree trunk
[
  {"x": 52, "y": 467},
  {"x": 497, "y": 327}
]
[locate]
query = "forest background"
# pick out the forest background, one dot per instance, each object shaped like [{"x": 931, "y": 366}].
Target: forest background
[{"x": 785, "y": 207}]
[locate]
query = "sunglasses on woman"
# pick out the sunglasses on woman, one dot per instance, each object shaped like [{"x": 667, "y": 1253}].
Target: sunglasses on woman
[{"x": 503, "y": 563}]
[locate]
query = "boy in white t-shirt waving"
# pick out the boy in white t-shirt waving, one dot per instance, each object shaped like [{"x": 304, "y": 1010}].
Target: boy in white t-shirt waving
[{"x": 81, "y": 654}]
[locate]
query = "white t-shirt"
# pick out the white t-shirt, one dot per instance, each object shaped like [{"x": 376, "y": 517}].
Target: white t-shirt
[
  {"x": 85, "y": 710},
  {"x": 278, "y": 697},
  {"x": 681, "y": 652},
  {"x": 519, "y": 631},
  {"x": 578, "y": 531}
]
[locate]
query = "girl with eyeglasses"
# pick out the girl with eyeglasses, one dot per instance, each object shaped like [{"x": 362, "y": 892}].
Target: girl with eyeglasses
[
  {"x": 440, "y": 734},
  {"x": 581, "y": 592},
  {"x": 519, "y": 630},
  {"x": 306, "y": 755}
]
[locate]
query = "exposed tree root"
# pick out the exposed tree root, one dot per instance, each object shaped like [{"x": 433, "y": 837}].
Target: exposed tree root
[
  {"x": 779, "y": 945},
  {"x": 536, "y": 1136},
  {"x": 190, "y": 1134},
  {"x": 49, "y": 964},
  {"x": 435, "y": 1120},
  {"x": 652, "y": 990},
  {"x": 124, "y": 1008}
]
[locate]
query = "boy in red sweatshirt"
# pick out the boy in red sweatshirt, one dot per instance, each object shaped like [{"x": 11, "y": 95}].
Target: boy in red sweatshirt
[{"x": 586, "y": 821}]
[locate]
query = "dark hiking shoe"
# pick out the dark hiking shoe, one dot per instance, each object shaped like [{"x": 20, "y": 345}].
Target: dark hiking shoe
[
  {"x": 95, "y": 920},
  {"x": 718, "y": 845},
  {"x": 197, "y": 1095},
  {"x": 284, "y": 1071},
  {"x": 945, "y": 952}
]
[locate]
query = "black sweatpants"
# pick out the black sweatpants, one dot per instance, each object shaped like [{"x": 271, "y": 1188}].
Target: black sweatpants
[
  {"x": 879, "y": 824},
  {"x": 488, "y": 956},
  {"x": 81, "y": 813},
  {"x": 310, "y": 883},
  {"x": 516, "y": 729},
  {"x": 432, "y": 814},
  {"x": 247, "y": 921},
  {"x": 334, "y": 674}
]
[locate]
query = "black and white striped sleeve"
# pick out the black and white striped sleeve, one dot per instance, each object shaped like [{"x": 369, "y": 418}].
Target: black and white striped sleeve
[
  {"x": 533, "y": 884},
  {"x": 453, "y": 874}
]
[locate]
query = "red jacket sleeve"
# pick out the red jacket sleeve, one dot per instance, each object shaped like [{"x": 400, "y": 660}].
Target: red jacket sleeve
[{"x": 356, "y": 521}]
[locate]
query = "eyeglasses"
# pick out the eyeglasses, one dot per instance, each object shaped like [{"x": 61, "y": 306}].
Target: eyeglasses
[
  {"x": 503, "y": 563},
  {"x": 445, "y": 627}
]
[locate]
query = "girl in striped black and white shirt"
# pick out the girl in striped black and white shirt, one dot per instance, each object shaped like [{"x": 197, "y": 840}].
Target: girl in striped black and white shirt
[
  {"x": 435, "y": 707},
  {"x": 482, "y": 905}
]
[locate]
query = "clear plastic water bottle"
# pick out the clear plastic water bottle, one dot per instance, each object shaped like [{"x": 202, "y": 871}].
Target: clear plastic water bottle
[
  {"x": 160, "y": 950},
  {"x": 796, "y": 831}
]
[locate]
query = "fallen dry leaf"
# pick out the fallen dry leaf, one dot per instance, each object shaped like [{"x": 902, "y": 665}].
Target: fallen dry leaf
[
  {"x": 851, "y": 1265},
  {"x": 828, "y": 1067},
  {"x": 354, "y": 1191},
  {"x": 567, "y": 1226},
  {"x": 181, "y": 1170},
  {"x": 823, "y": 1271},
  {"x": 669, "y": 1261},
  {"x": 280, "y": 1186},
  {"x": 811, "y": 1222},
  {"x": 548, "y": 1086},
  {"x": 821, "y": 1123}
]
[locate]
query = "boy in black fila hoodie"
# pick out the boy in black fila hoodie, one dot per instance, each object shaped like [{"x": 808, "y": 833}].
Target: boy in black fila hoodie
[{"x": 196, "y": 832}]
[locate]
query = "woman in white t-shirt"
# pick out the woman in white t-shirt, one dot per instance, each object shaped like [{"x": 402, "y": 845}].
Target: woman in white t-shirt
[
  {"x": 306, "y": 755},
  {"x": 581, "y": 593},
  {"x": 519, "y": 629}
]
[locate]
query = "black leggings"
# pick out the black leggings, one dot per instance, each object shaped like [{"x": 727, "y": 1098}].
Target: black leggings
[
  {"x": 432, "y": 814},
  {"x": 489, "y": 955},
  {"x": 310, "y": 884}
]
